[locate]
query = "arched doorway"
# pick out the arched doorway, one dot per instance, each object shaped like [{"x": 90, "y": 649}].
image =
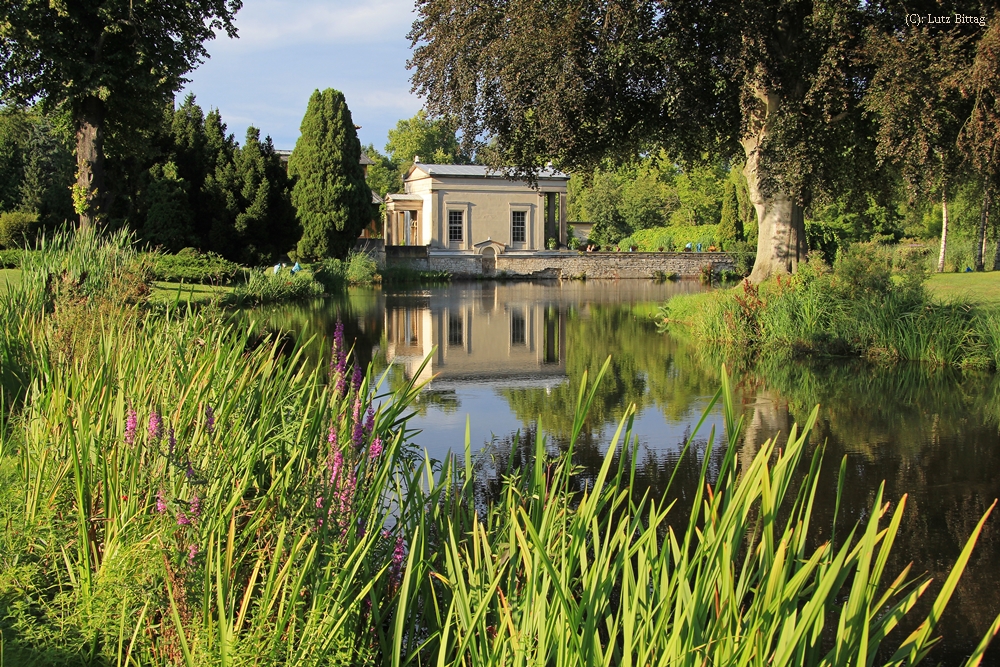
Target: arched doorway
[{"x": 489, "y": 261}]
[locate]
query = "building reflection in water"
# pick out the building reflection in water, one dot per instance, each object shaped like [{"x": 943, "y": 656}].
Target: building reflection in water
[{"x": 503, "y": 337}]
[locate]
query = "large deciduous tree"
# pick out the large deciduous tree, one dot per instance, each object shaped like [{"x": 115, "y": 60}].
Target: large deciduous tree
[
  {"x": 110, "y": 63},
  {"x": 914, "y": 92},
  {"x": 575, "y": 80},
  {"x": 330, "y": 193}
]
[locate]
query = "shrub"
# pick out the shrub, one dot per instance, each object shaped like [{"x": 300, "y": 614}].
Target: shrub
[
  {"x": 17, "y": 229},
  {"x": 263, "y": 286},
  {"x": 191, "y": 266},
  {"x": 361, "y": 269},
  {"x": 11, "y": 259}
]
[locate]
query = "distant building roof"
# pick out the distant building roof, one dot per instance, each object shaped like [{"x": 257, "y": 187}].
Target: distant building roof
[
  {"x": 375, "y": 198},
  {"x": 366, "y": 160},
  {"x": 480, "y": 171}
]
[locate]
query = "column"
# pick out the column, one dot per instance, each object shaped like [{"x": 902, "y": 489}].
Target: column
[{"x": 562, "y": 218}]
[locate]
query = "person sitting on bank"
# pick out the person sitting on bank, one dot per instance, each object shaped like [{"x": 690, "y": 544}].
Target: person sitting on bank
[{"x": 687, "y": 247}]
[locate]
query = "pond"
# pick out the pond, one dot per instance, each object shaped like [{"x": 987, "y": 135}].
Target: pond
[{"x": 505, "y": 358}]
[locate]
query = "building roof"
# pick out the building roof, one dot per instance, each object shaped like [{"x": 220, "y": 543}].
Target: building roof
[
  {"x": 480, "y": 171},
  {"x": 403, "y": 197},
  {"x": 366, "y": 160}
]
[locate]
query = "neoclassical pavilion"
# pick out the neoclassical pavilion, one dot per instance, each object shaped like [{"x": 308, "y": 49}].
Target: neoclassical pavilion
[{"x": 473, "y": 209}]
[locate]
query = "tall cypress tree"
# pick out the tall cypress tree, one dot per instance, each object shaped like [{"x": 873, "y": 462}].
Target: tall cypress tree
[
  {"x": 730, "y": 226},
  {"x": 330, "y": 193}
]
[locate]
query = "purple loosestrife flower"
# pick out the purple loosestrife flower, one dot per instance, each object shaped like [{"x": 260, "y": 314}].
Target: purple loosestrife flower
[
  {"x": 131, "y": 425},
  {"x": 319, "y": 502},
  {"x": 398, "y": 554},
  {"x": 338, "y": 463},
  {"x": 358, "y": 434},
  {"x": 192, "y": 552},
  {"x": 369, "y": 420},
  {"x": 376, "y": 448},
  {"x": 161, "y": 502},
  {"x": 155, "y": 426},
  {"x": 182, "y": 519},
  {"x": 172, "y": 441},
  {"x": 190, "y": 471},
  {"x": 331, "y": 435},
  {"x": 194, "y": 506},
  {"x": 209, "y": 419},
  {"x": 357, "y": 377}
]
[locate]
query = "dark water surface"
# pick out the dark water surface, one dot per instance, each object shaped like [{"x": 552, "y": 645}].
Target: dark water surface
[{"x": 505, "y": 354}]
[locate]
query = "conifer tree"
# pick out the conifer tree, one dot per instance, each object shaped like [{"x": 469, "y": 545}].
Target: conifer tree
[
  {"x": 330, "y": 193},
  {"x": 730, "y": 226}
]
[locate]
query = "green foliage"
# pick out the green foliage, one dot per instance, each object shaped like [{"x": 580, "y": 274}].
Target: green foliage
[
  {"x": 330, "y": 193},
  {"x": 110, "y": 66},
  {"x": 11, "y": 259},
  {"x": 166, "y": 209},
  {"x": 36, "y": 165},
  {"x": 18, "y": 229},
  {"x": 191, "y": 266},
  {"x": 730, "y": 227},
  {"x": 217, "y": 501},
  {"x": 404, "y": 275},
  {"x": 671, "y": 238},
  {"x": 263, "y": 286},
  {"x": 432, "y": 140},
  {"x": 870, "y": 304}
]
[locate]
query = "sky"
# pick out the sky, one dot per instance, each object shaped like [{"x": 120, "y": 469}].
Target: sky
[{"x": 289, "y": 48}]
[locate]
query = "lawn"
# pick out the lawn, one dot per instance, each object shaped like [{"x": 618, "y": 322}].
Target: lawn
[
  {"x": 981, "y": 288},
  {"x": 9, "y": 277},
  {"x": 194, "y": 292}
]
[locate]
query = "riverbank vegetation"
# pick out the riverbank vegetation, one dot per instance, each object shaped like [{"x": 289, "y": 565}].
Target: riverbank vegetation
[
  {"x": 180, "y": 490},
  {"x": 871, "y": 303}
]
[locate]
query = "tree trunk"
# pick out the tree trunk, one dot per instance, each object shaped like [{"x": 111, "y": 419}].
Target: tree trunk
[
  {"x": 944, "y": 229},
  {"x": 781, "y": 240},
  {"x": 89, "y": 190},
  {"x": 983, "y": 218}
]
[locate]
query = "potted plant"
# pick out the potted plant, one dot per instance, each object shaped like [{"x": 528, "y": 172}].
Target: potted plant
[{"x": 551, "y": 244}]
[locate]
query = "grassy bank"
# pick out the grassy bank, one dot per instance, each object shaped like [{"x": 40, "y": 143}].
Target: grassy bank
[
  {"x": 866, "y": 305},
  {"x": 178, "y": 490},
  {"x": 975, "y": 288}
]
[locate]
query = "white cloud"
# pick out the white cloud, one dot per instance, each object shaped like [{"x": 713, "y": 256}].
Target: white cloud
[{"x": 266, "y": 24}]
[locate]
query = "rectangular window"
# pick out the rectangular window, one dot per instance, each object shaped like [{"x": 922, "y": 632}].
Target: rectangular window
[
  {"x": 517, "y": 226},
  {"x": 518, "y": 328},
  {"x": 455, "y": 226},
  {"x": 455, "y": 327}
]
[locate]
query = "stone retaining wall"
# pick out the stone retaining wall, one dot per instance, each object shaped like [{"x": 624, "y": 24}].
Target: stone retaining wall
[{"x": 567, "y": 265}]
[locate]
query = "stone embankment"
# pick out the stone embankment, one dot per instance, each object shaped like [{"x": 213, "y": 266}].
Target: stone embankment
[{"x": 566, "y": 265}]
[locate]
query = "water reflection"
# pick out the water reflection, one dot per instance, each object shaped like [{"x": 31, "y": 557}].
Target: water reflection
[{"x": 507, "y": 355}]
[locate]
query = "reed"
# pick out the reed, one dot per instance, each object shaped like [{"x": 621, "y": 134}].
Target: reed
[{"x": 184, "y": 490}]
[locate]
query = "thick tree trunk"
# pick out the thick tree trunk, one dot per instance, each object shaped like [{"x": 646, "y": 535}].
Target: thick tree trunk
[
  {"x": 944, "y": 230},
  {"x": 89, "y": 190},
  {"x": 781, "y": 240},
  {"x": 984, "y": 218}
]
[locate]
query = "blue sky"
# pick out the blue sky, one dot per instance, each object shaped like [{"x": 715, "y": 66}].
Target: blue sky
[{"x": 288, "y": 48}]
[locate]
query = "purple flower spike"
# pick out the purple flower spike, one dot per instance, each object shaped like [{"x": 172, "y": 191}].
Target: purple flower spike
[
  {"x": 172, "y": 441},
  {"x": 209, "y": 419},
  {"x": 194, "y": 506},
  {"x": 358, "y": 433},
  {"x": 369, "y": 420},
  {"x": 356, "y": 378},
  {"x": 190, "y": 471},
  {"x": 161, "y": 502},
  {"x": 192, "y": 552},
  {"x": 331, "y": 435},
  {"x": 155, "y": 426},
  {"x": 182, "y": 519},
  {"x": 131, "y": 425},
  {"x": 319, "y": 502},
  {"x": 376, "y": 448}
]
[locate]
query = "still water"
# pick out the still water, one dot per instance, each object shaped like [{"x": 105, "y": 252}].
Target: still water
[{"x": 507, "y": 359}]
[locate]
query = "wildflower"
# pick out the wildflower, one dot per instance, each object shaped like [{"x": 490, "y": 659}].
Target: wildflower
[
  {"x": 190, "y": 471},
  {"x": 376, "y": 449},
  {"x": 396, "y": 571},
  {"x": 356, "y": 378},
  {"x": 194, "y": 506},
  {"x": 155, "y": 426},
  {"x": 338, "y": 462},
  {"x": 192, "y": 552},
  {"x": 182, "y": 519},
  {"x": 209, "y": 419},
  {"x": 331, "y": 435},
  {"x": 369, "y": 420},
  {"x": 131, "y": 424},
  {"x": 358, "y": 434},
  {"x": 161, "y": 502},
  {"x": 172, "y": 441},
  {"x": 319, "y": 502}
]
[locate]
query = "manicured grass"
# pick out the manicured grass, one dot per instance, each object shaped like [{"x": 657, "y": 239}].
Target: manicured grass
[
  {"x": 9, "y": 278},
  {"x": 194, "y": 292},
  {"x": 980, "y": 288}
]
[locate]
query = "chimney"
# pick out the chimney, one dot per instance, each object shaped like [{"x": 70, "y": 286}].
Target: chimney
[{"x": 416, "y": 158}]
